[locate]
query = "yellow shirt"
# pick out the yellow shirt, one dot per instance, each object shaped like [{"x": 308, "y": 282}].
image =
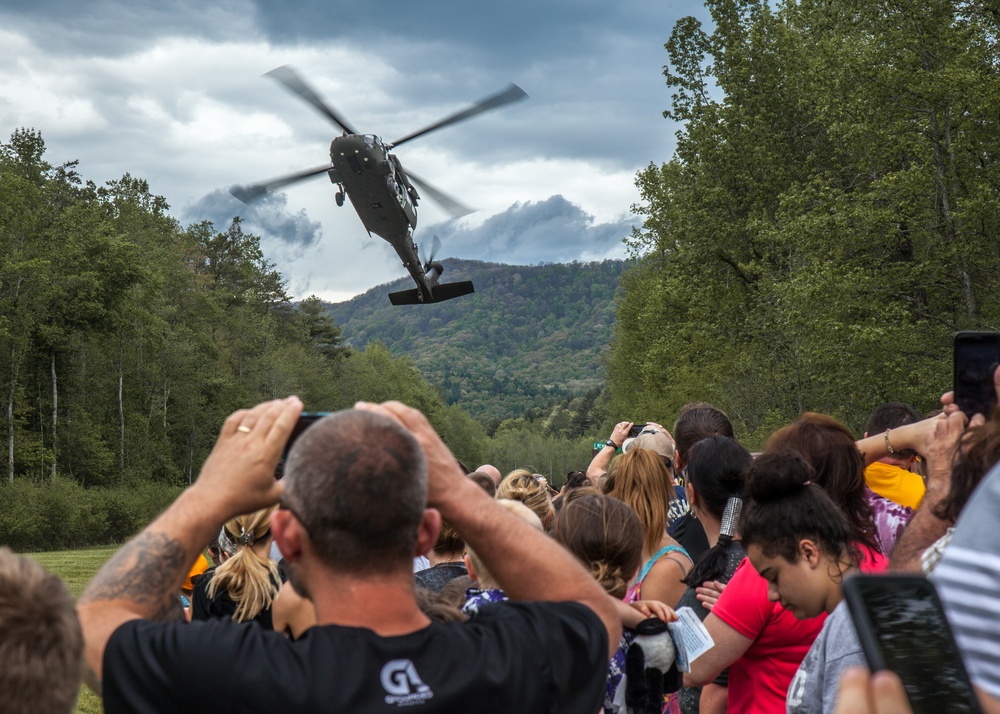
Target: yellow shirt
[
  {"x": 896, "y": 484},
  {"x": 199, "y": 567}
]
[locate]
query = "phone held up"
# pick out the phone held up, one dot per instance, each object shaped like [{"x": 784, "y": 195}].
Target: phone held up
[
  {"x": 975, "y": 359},
  {"x": 306, "y": 420},
  {"x": 636, "y": 430},
  {"x": 902, "y": 627}
]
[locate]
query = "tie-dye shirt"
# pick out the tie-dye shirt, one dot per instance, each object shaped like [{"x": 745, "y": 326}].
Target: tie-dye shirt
[
  {"x": 476, "y": 599},
  {"x": 890, "y": 519}
]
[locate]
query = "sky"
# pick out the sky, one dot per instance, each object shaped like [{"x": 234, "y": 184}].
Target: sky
[{"x": 172, "y": 92}]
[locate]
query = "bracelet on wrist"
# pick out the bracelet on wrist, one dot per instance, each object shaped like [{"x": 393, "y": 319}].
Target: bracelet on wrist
[{"x": 888, "y": 446}]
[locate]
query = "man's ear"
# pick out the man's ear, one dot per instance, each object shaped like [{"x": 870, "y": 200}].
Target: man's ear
[
  {"x": 428, "y": 530},
  {"x": 288, "y": 534},
  {"x": 468, "y": 566}
]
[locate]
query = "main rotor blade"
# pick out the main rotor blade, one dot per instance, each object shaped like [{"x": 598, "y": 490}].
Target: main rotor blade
[
  {"x": 512, "y": 94},
  {"x": 452, "y": 205},
  {"x": 291, "y": 79},
  {"x": 256, "y": 190}
]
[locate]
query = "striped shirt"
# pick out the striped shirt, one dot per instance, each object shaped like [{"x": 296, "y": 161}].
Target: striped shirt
[{"x": 968, "y": 581}]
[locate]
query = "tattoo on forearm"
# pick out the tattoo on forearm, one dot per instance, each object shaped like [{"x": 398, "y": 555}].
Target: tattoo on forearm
[
  {"x": 91, "y": 679},
  {"x": 144, "y": 572}
]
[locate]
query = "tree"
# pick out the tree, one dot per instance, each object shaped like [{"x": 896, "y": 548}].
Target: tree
[
  {"x": 825, "y": 225},
  {"x": 323, "y": 332}
]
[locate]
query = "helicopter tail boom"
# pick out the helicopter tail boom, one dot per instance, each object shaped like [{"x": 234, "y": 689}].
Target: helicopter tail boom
[{"x": 439, "y": 293}]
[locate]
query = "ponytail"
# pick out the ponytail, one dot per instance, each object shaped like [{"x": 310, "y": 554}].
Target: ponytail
[
  {"x": 716, "y": 470},
  {"x": 250, "y": 579}
]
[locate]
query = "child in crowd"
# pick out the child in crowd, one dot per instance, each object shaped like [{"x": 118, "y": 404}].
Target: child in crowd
[
  {"x": 803, "y": 546},
  {"x": 487, "y": 590},
  {"x": 606, "y": 536}
]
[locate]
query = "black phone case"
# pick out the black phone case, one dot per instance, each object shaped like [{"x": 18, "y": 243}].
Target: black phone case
[
  {"x": 975, "y": 353},
  {"x": 859, "y": 590}
]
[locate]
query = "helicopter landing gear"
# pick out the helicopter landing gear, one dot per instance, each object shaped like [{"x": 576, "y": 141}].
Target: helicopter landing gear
[{"x": 339, "y": 198}]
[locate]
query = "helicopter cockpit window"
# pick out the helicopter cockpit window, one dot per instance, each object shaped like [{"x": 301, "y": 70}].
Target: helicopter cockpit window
[{"x": 371, "y": 140}]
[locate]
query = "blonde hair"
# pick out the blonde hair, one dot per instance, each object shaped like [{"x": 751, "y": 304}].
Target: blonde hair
[
  {"x": 250, "y": 579},
  {"x": 522, "y": 485},
  {"x": 483, "y": 575},
  {"x": 642, "y": 481}
]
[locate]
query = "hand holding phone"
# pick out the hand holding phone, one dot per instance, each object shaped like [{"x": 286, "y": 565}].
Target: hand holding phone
[
  {"x": 902, "y": 627},
  {"x": 636, "y": 430},
  {"x": 306, "y": 420}
]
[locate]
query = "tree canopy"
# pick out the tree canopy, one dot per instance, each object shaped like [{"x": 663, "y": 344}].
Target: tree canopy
[{"x": 829, "y": 218}]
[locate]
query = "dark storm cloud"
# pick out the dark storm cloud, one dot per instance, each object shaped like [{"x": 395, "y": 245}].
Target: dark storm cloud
[
  {"x": 549, "y": 231},
  {"x": 594, "y": 65},
  {"x": 112, "y": 27},
  {"x": 267, "y": 216},
  {"x": 592, "y": 68}
]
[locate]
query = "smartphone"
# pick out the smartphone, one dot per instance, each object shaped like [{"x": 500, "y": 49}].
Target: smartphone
[
  {"x": 902, "y": 627},
  {"x": 306, "y": 420},
  {"x": 636, "y": 430},
  {"x": 976, "y": 358}
]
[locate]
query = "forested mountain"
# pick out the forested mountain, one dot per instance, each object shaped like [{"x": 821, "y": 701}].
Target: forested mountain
[
  {"x": 529, "y": 336},
  {"x": 831, "y": 214}
]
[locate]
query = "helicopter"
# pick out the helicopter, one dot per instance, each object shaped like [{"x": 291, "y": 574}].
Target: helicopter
[{"x": 383, "y": 194}]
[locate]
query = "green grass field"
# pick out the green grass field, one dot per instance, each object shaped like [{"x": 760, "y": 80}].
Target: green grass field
[{"x": 76, "y": 568}]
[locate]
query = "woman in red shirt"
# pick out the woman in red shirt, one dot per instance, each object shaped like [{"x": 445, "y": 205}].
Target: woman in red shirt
[{"x": 762, "y": 643}]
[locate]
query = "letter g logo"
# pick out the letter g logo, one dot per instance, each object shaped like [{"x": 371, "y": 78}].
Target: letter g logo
[{"x": 399, "y": 677}]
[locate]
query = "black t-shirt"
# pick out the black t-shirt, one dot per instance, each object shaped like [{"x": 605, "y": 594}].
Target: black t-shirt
[
  {"x": 222, "y": 605},
  {"x": 519, "y": 657}
]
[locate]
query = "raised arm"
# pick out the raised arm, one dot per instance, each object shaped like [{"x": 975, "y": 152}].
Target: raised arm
[
  {"x": 602, "y": 460},
  {"x": 910, "y": 436},
  {"x": 142, "y": 579},
  {"x": 526, "y": 563},
  {"x": 925, "y": 527}
]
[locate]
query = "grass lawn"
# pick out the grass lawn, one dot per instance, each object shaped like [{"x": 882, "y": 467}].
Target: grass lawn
[{"x": 76, "y": 568}]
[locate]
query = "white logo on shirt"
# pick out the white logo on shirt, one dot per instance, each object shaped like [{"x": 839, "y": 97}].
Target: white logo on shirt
[
  {"x": 402, "y": 684},
  {"x": 797, "y": 690}
]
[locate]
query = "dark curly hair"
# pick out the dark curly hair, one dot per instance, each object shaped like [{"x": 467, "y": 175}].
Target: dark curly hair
[{"x": 786, "y": 504}]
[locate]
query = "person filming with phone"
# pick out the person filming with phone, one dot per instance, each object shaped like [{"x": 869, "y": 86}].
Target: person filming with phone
[
  {"x": 364, "y": 491},
  {"x": 965, "y": 560}
]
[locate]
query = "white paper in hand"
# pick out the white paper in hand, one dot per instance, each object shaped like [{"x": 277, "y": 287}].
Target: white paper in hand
[{"x": 691, "y": 639}]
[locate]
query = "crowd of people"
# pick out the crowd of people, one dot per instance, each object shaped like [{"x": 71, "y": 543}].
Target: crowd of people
[{"x": 378, "y": 574}]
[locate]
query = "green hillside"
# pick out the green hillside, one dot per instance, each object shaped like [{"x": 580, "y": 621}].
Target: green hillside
[{"x": 529, "y": 336}]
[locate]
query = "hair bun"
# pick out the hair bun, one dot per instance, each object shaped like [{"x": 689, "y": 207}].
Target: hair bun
[{"x": 778, "y": 475}]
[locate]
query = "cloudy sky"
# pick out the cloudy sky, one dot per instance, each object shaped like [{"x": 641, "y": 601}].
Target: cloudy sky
[{"x": 172, "y": 92}]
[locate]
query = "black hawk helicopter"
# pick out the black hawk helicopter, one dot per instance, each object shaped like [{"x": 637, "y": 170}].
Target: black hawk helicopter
[{"x": 383, "y": 194}]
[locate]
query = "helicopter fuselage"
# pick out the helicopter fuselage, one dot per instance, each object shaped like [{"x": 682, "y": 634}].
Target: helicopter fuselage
[{"x": 383, "y": 197}]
